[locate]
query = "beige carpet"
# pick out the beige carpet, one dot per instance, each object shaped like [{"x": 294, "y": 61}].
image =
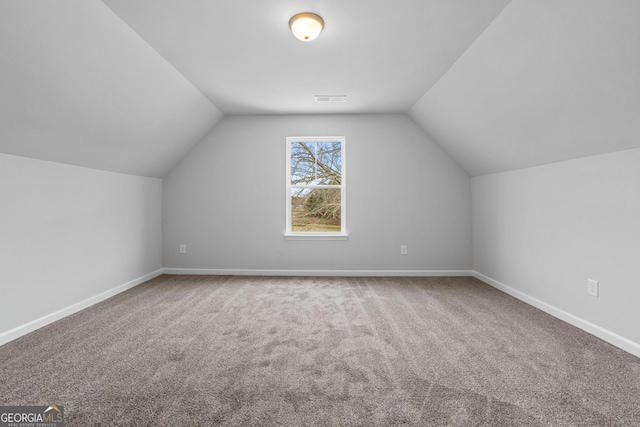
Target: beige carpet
[{"x": 202, "y": 351}]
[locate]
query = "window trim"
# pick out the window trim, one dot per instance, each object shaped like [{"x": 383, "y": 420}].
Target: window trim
[{"x": 301, "y": 235}]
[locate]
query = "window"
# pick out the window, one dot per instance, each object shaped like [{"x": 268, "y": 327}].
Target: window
[{"x": 316, "y": 187}]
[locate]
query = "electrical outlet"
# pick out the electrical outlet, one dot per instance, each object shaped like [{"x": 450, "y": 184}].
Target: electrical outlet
[
  {"x": 592, "y": 287},
  {"x": 183, "y": 249},
  {"x": 403, "y": 250}
]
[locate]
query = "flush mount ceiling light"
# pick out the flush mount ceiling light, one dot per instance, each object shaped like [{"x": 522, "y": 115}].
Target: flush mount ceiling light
[{"x": 306, "y": 26}]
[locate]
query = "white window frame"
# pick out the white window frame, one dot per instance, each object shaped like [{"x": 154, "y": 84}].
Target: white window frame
[{"x": 301, "y": 235}]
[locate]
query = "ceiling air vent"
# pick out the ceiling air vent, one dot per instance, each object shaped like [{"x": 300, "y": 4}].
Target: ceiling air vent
[{"x": 331, "y": 98}]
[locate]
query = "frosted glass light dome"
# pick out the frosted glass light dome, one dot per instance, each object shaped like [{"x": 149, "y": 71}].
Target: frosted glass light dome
[{"x": 306, "y": 26}]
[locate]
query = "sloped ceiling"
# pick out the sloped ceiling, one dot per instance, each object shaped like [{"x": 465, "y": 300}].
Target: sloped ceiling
[
  {"x": 131, "y": 85},
  {"x": 133, "y": 91},
  {"x": 384, "y": 55},
  {"x": 549, "y": 80},
  {"x": 78, "y": 86}
]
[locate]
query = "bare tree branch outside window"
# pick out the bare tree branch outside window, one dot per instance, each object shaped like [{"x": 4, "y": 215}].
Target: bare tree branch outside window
[{"x": 316, "y": 163}]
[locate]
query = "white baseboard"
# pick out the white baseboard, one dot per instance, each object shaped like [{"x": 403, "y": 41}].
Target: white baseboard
[
  {"x": 21, "y": 330},
  {"x": 337, "y": 273},
  {"x": 604, "y": 334}
]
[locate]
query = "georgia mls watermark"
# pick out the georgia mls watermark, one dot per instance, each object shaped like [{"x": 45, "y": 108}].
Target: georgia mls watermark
[{"x": 31, "y": 416}]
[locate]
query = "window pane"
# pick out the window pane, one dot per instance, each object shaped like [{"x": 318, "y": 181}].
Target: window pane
[
  {"x": 316, "y": 163},
  {"x": 316, "y": 210},
  {"x": 303, "y": 165},
  {"x": 328, "y": 163}
]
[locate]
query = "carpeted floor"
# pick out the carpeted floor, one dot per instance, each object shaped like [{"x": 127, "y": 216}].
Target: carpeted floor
[{"x": 211, "y": 350}]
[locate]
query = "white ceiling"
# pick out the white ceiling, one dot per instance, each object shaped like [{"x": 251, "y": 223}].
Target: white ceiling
[
  {"x": 549, "y": 80},
  {"x": 384, "y": 55},
  {"x": 78, "y": 86},
  {"x": 132, "y": 85}
]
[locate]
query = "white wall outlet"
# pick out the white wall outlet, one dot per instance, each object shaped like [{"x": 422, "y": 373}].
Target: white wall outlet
[
  {"x": 183, "y": 249},
  {"x": 403, "y": 250},
  {"x": 592, "y": 287}
]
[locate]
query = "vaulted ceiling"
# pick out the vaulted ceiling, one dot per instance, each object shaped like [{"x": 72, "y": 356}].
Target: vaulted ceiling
[
  {"x": 132, "y": 85},
  {"x": 549, "y": 80}
]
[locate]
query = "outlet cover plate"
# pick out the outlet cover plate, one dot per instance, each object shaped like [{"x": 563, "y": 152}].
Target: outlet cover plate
[{"x": 592, "y": 287}]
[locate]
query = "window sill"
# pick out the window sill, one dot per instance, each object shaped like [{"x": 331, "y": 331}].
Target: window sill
[{"x": 316, "y": 236}]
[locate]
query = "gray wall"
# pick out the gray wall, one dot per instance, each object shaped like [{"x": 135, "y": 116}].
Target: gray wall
[
  {"x": 69, "y": 233},
  {"x": 545, "y": 230},
  {"x": 226, "y": 199}
]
